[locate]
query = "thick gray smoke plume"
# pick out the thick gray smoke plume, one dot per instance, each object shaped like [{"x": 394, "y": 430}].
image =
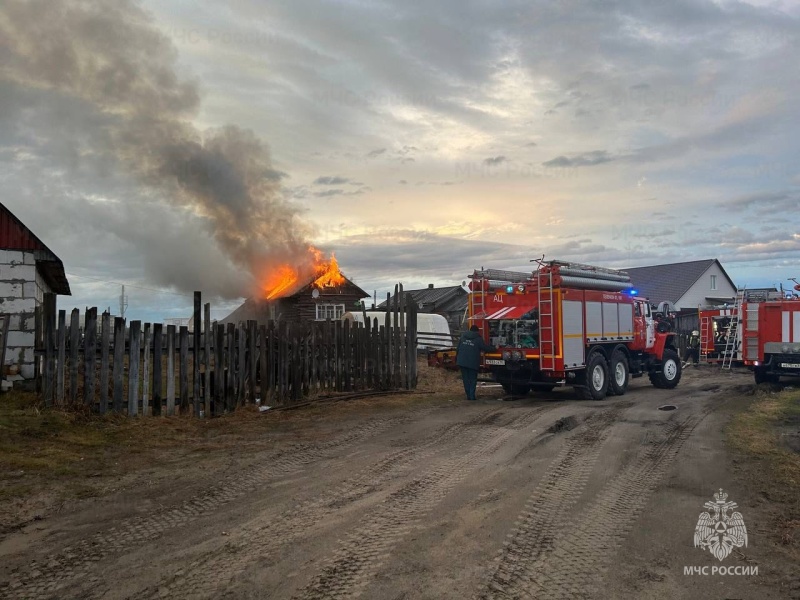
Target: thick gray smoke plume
[{"x": 110, "y": 56}]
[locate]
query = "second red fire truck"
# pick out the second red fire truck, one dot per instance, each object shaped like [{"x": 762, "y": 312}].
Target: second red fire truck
[{"x": 572, "y": 324}]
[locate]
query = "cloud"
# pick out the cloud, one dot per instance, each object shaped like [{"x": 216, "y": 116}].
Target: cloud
[
  {"x": 494, "y": 160},
  {"x": 587, "y": 159},
  {"x": 331, "y": 180},
  {"x": 376, "y": 153}
]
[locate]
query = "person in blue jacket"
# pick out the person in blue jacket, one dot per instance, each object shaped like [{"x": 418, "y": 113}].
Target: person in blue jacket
[{"x": 468, "y": 358}]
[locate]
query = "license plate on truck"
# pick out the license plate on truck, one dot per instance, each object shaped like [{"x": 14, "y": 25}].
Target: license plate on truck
[
  {"x": 495, "y": 361},
  {"x": 790, "y": 365}
]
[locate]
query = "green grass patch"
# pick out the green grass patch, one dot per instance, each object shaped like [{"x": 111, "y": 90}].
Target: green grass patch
[{"x": 767, "y": 431}]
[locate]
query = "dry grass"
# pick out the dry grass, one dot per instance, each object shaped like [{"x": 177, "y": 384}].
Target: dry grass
[
  {"x": 73, "y": 451},
  {"x": 760, "y": 432}
]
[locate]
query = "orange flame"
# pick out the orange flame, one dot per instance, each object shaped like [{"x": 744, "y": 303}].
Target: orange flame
[
  {"x": 284, "y": 279},
  {"x": 280, "y": 281},
  {"x": 328, "y": 274}
]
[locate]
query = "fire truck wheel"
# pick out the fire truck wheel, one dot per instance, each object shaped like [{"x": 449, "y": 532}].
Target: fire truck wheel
[
  {"x": 763, "y": 377},
  {"x": 596, "y": 377},
  {"x": 618, "y": 383},
  {"x": 669, "y": 373}
]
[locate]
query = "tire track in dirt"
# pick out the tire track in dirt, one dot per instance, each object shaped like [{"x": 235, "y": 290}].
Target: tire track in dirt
[
  {"x": 571, "y": 564},
  {"x": 541, "y": 518},
  {"x": 212, "y": 571},
  {"x": 74, "y": 562},
  {"x": 359, "y": 556}
]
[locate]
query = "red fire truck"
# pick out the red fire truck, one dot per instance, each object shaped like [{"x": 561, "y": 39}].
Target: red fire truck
[
  {"x": 772, "y": 337},
  {"x": 573, "y": 324},
  {"x": 720, "y": 337}
]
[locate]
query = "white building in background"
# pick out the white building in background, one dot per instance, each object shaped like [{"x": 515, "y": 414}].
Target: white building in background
[{"x": 28, "y": 269}]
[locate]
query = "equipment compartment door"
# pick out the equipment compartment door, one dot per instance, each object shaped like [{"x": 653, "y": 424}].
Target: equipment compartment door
[{"x": 572, "y": 328}]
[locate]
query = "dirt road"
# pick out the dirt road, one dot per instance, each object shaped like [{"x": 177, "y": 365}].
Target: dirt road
[{"x": 546, "y": 497}]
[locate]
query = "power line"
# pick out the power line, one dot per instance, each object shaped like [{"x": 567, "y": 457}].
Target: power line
[{"x": 141, "y": 287}]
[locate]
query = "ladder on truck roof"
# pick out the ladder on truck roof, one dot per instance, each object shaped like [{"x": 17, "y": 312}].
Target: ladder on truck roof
[
  {"x": 732, "y": 339},
  {"x": 547, "y": 342}
]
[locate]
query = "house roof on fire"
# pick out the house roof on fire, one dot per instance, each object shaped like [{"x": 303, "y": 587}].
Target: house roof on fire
[
  {"x": 256, "y": 309},
  {"x": 671, "y": 281},
  {"x": 443, "y": 299}
]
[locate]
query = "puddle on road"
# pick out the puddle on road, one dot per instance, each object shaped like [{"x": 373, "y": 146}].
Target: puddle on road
[
  {"x": 563, "y": 424},
  {"x": 667, "y": 407}
]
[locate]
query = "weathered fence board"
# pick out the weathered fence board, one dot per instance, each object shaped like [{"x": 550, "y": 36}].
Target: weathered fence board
[
  {"x": 151, "y": 369},
  {"x": 146, "y": 371},
  {"x": 183, "y": 382},
  {"x": 170, "y": 370},
  {"x": 133, "y": 368},
  {"x": 105, "y": 348}
]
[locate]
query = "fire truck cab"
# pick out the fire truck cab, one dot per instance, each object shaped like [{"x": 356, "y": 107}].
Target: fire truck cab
[{"x": 570, "y": 324}]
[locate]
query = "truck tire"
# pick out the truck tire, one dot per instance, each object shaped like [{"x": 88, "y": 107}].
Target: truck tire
[
  {"x": 596, "y": 386},
  {"x": 669, "y": 373},
  {"x": 762, "y": 376},
  {"x": 619, "y": 373},
  {"x": 516, "y": 389}
]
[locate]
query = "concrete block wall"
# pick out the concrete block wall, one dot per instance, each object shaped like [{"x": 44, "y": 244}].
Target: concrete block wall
[{"x": 21, "y": 291}]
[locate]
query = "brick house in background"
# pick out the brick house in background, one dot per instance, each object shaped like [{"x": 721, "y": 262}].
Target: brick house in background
[{"x": 28, "y": 269}]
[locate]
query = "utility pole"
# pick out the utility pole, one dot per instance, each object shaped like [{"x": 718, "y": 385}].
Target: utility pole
[{"x": 123, "y": 303}]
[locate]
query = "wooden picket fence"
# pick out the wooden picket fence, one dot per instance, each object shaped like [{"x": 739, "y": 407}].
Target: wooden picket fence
[{"x": 138, "y": 368}]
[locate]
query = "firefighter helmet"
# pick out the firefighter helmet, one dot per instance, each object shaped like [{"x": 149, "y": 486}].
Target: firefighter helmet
[{"x": 695, "y": 332}]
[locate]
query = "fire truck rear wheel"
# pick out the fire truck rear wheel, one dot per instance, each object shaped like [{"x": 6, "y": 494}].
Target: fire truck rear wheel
[
  {"x": 596, "y": 377},
  {"x": 618, "y": 383},
  {"x": 669, "y": 373}
]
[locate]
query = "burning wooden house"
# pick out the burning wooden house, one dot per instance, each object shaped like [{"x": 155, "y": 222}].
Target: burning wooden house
[{"x": 288, "y": 296}]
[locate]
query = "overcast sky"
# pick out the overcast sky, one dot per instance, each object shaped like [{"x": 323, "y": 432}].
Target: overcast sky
[{"x": 172, "y": 145}]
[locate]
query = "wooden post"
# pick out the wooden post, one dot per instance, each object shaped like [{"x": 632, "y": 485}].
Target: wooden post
[
  {"x": 269, "y": 378},
  {"x": 207, "y": 356},
  {"x": 170, "y": 370},
  {"x": 387, "y": 332},
  {"x": 146, "y": 372},
  {"x": 297, "y": 363},
  {"x": 230, "y": 387},
  {"x": 105, "y": 363},
  {"x": 262, "y": 360},
  {"x": 411, "y": 337},
  {"x": 89, "y": 356},
  {"x": 74, "y": 342},
  {"x": 346, "y": 358},
  {"x": 396, "y": 336},
  {"x": 401, "y": 339},
  {"x": 219, "y": 369},
  {"x": 133, "y": 368},
  {"x": 198, "y": 325},
  {"x": 253, "y": 357},
  {"x": 61, "y": 343},
  {"x": 119, "y": 362},
  {"x": 157, "y": 367},
  {"x": 49, "y": 386},
  {"x": 337, "y": 355},
  {"x": 183, "y": 383},
  {"x": 241, "y": 364}
]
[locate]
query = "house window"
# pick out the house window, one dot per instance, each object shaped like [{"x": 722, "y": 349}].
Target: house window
[
  {"x": 329, "y": 311},
  {"x": 713, "y": 282}
]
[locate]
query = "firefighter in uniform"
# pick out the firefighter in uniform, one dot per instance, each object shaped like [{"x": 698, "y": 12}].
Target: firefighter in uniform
[
  {"x": 692, "y": 349},
  {"x": 468, "y": 358}
]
